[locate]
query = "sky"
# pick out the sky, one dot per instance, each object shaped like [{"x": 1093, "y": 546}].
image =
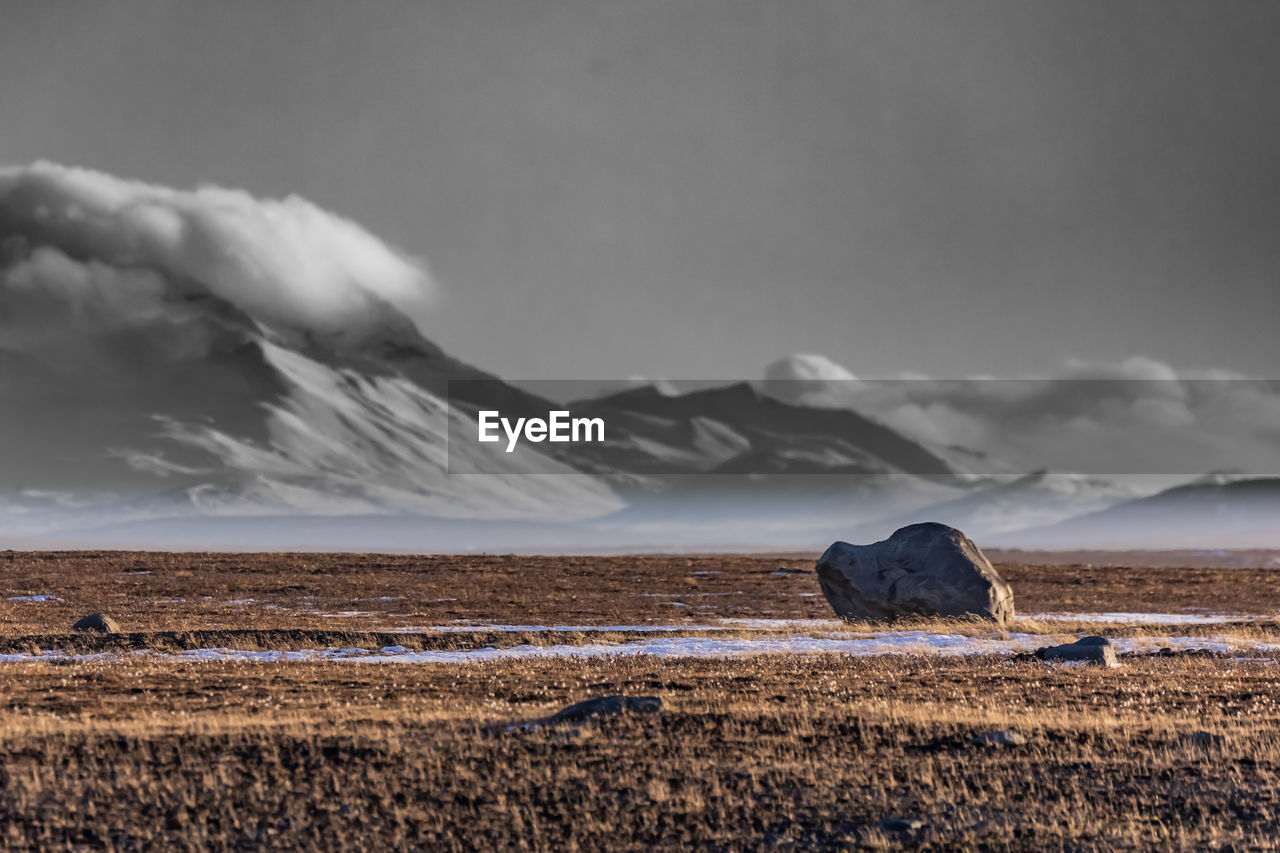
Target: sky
[{"x": 694, "y": 189}]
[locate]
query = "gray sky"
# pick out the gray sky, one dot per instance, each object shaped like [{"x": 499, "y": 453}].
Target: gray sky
[{"x": 696, "y": 188}]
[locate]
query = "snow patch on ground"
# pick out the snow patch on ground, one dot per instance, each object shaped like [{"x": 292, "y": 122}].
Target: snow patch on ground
[
  {"x": 815, "y": 624},
  {"x": 795, "y": 636},
  {"x": 1213, "y": 644},
  {"x": 719, "y": 625},
  {"x": 1142, "y": 618},
  {"x": 907, "y": 642},
  {"x": 882, "y": 643}
]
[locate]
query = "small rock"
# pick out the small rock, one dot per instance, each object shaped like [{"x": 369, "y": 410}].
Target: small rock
[
  {"x": 1203, "y": 738},
  {"x": 607, "y": 706},
  {"x": 1087, "y": 649},
  {"x": 98, "y": 623},
  {"x": 998, "y": 737},
  {"x": 901, "y": 824}
]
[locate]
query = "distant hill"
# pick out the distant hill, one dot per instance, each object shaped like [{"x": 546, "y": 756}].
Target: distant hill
[
  {"x": 735, "y": 429},
  {"x": 1241, "y": 513},
  {"x": 1037, "y": 499}
]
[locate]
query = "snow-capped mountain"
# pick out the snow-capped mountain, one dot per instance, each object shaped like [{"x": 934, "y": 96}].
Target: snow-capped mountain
[
  {"x": 208, "y": 353},
  {"x": 735, "y": 429},
  {"x": 170, "y": 361}
]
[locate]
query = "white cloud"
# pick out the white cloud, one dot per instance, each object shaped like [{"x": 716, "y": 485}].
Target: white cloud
[
  {"x": 287, "y": 264},
  {"x": 809, "y": 379}
]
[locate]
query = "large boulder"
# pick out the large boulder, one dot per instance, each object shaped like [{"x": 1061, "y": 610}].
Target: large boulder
[{"x": 925, "y": 568}]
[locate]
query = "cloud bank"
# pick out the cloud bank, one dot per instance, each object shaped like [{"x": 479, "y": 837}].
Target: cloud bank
[{"x": 287, "y": 264}]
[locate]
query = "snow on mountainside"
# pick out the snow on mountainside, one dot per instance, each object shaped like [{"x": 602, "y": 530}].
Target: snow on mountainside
[
  {"x": 768, "y": 435},
  {"x": 208, "y": 353}
]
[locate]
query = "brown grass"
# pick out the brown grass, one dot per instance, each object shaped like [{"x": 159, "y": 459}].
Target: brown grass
[
  {"x": 777, "y": 752},
  {"x": 186, "y": 592}
]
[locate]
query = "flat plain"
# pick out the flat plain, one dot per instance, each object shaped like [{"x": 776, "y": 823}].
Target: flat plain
[{"x": 301, "y": 701}]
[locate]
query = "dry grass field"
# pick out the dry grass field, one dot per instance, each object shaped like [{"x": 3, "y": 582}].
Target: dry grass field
[
  {"x": 170, "y": 591},
  {"x": 110, "y": 746}
]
